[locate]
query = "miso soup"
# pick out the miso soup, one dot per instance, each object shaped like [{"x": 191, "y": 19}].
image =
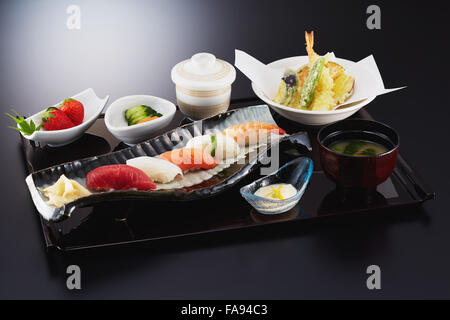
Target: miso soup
[{"x": 359, "y": 148}]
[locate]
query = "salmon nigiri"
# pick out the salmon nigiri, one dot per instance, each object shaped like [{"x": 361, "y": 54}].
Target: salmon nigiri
[
  {"x": 252, "y": 132},
  {"x": 190, "y": 159},
  {"x": 118, "y": 177}
]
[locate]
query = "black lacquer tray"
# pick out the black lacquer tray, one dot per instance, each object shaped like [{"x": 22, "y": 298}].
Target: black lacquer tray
[{"x": 129, "y": 221}]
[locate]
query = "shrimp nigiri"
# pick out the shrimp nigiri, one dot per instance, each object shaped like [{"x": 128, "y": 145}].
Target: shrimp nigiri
[
  {"x": 252, "y": 132},
  {"x": 190, "y": 159}
]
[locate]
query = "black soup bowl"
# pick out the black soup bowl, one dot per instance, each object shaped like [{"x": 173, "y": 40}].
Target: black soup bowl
[{"x": 361, "y": 172}]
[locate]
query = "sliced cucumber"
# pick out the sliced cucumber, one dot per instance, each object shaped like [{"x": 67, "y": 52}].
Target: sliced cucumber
[
  {"x": 135, "y": 114},
  {"x": 214, "y": 145}
]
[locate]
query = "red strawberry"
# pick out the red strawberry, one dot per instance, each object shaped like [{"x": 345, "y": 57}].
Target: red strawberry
[
  {"x": 74, "y": 110},
  {"x": 55, "y": 119}
]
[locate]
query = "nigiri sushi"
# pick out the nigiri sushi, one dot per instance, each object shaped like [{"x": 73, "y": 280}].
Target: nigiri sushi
[
  {"x": 118, "y": 177},
  {"x": 190, "y": 159},
  {"x": 159, "y": 170},
  {"x": 217, "y": 145},
  {"x": 252, "y": 132}
]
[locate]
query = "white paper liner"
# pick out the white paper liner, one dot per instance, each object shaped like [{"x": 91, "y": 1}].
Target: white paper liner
[{"x": 368, "y": 81}]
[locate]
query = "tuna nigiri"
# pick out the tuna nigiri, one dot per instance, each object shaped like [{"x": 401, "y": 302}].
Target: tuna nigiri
[
  {"x": 118, "y": 177},
  {"x": 190, "y": 159},
  {"x": 252, "y": 132}
]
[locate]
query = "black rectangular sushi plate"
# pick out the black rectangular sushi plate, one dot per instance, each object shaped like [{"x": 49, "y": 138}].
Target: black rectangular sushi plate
[{"x": 121, "y": 222}]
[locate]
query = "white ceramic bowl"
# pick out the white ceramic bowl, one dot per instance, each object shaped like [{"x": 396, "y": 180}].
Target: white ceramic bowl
[
  {"x": 93, "y": 106},
  {"x": 118, "y": 126},
  {"x": 305, "y": 116}
]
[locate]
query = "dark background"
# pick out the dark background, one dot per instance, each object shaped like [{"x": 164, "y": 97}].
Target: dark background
[{"x": 129, "y": 47}]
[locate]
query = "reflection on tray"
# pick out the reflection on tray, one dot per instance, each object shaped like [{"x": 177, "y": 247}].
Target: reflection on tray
[
  {"x": 124, "y": 221},
  {"x": 341, "y": 200},
  {"x": 120, "y": 146},
  {"x": 267, "y": 218},
  {"x": 40, "y": 157}
]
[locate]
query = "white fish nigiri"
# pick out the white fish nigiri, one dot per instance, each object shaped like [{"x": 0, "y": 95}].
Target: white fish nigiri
[
  {"x": 218, "y": 145},
  {"x": 159, "y": 170}
]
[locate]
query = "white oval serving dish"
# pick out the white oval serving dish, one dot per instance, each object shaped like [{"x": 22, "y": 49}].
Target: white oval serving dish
[
  {"x": 313, "y": 117},
  {"x": 116, "y": 123},
  {"x": 93, "y": 106}
]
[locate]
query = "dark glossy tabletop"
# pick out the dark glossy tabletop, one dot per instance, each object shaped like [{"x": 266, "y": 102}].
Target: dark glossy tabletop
[{"x": 129, "y": 47}]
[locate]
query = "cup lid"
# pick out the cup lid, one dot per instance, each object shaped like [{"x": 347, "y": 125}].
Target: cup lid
[{"x": 203, "y": 72}]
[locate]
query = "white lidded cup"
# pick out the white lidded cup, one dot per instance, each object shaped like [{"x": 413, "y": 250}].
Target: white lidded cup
[{"x": 203, "y": 85}]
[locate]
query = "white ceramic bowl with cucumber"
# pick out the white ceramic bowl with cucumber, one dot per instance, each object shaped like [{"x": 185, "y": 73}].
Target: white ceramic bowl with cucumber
[{"x": 134, "y": 132}]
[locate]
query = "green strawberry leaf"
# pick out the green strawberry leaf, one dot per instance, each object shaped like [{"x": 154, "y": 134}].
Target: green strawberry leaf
[
  {"x": 67, "y": 100},
  {"x": 48, "y": 114},
  {"x": 25, "y": 127}
]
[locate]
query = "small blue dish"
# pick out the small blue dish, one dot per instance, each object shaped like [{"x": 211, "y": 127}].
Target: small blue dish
[{"x": 297, "y": 172}]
